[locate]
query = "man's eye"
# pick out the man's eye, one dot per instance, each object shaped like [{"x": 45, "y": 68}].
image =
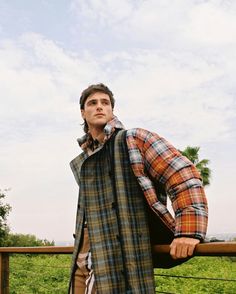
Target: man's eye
[{"x": 92, "y": 102}]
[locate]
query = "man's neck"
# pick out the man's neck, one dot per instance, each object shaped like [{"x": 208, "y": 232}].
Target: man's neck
[{"x": 97, "y": 134}]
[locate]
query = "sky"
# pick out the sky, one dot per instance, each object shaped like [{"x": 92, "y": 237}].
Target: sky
[{"x": 171, "y": 65}]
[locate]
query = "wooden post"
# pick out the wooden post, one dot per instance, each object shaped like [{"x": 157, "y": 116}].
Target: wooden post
[{"x": 4, "y": 273}]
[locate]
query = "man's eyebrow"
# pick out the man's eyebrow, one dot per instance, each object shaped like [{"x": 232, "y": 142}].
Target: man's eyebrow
[{"x": 94, "y": 99}]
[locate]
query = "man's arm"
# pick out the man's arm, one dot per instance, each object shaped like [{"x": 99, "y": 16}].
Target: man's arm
[{"x": 182, "y": 182}]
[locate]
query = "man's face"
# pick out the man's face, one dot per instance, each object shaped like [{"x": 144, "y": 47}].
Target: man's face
[{"x": 97, "y": 110}]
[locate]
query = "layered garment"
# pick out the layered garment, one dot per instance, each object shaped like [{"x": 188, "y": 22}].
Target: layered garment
[{"x": 116, "y": 182}]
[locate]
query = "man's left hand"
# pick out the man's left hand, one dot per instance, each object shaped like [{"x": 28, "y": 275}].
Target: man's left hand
[{"x": 183, "y": 247}]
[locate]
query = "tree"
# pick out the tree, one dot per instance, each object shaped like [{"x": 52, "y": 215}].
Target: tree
[
  {"x": 202, "y": 165},
  {"x": 4, "y": 212}
]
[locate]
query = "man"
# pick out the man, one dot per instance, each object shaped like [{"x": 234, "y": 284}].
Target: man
[{"x": 123, "y": 178}]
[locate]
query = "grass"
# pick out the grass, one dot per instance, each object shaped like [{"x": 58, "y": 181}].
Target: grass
[{"x": 49, "y": 274}]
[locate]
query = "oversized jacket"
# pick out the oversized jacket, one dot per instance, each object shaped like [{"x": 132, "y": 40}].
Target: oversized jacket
[{"x": 160, "y": 170}]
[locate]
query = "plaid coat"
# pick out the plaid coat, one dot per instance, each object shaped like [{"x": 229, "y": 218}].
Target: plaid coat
[{"x": 158, "y": 168}]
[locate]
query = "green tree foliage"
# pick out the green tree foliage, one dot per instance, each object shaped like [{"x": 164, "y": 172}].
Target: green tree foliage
[
  {"x": 202, "y": 165},
  {"x": 25, "y": 240},
  {"x": 4, "y": 212}
]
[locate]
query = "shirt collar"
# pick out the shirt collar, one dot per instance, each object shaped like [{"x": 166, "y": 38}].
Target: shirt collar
[{"x": 86, "y": 141}]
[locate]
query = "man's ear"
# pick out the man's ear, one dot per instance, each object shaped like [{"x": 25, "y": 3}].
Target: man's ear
[{"x": 82, "y": 113}]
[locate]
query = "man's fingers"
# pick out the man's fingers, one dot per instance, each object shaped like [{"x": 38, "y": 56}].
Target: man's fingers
[
  {"x": 179, "y": 251},
  {"x": 173, "y": 250},
  {"x": 191, "y": 250},
  {"x": 183, "y": 252}
]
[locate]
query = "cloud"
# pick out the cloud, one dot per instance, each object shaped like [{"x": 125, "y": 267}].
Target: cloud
[
  {"x": 175, "y": 95},
  {"x": 40, "y": 84},
  {"x": 168, "y": 55},
  {"x": 103, "y": 13},
  {"x": 155, "y": 24}
]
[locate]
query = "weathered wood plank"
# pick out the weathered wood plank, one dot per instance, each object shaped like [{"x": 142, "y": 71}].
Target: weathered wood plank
[
  {"x": 203, "y": 249},
  {"x": 41, "y": 249},
  {"x": 4, "y": 273}
]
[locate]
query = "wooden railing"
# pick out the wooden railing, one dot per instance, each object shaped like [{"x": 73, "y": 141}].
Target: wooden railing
[{"x": 204, "y": 249}]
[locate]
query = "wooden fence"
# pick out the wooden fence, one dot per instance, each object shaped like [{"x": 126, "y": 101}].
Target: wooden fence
[{"x": 204, "y": 249}]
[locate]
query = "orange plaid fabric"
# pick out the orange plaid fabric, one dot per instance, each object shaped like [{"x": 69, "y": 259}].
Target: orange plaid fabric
[{"x": 154, "y": 160}]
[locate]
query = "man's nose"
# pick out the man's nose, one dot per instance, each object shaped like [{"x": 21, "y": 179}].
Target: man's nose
[{"x": 99, "y": 105}]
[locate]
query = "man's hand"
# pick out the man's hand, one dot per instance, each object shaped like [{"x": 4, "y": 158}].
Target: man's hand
[{"x": 183, "y": 247}]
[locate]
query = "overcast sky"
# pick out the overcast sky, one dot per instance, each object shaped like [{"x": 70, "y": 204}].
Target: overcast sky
[{"x": 171, "y": 65}]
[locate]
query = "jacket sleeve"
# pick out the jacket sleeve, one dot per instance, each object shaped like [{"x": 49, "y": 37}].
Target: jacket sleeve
[{"x": 181, "y": 180}]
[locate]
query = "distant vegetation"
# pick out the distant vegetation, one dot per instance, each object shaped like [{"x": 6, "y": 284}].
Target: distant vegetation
[
  {"x": 25, "y": 240},
  {"x": 4, "y": 212},
  {"x": 192, "y": 153}
]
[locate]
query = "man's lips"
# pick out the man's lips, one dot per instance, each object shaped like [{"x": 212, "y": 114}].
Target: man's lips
[{"x": 99, "y": 114}]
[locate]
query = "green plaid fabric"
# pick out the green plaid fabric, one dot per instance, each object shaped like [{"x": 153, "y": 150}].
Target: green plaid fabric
[{"x": 113, "y": 204}]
